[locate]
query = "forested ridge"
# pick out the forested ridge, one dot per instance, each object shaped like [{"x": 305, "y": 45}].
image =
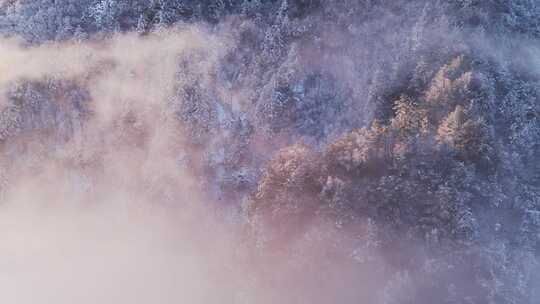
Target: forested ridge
[{"x": 365, "y": 151}]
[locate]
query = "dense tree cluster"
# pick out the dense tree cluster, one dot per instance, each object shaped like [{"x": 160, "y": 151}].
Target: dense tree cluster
[
  {"x": 430, "y": 175},
  {"x": 411, "y": 125}
]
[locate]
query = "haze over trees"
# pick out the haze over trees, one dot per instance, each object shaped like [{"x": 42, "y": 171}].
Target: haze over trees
[{"x": 392, "y": 146}]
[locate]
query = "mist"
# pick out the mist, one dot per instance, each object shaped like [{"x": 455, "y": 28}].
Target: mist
[
  {"x": 269, "y": 152},
  {"x": 106, "y": 209}
]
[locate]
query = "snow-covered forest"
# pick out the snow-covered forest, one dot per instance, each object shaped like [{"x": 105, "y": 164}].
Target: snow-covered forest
[{"x": 279, "y": 151}]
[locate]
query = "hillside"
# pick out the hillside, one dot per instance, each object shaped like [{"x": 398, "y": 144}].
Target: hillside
[{"x": 340, "y": 151}]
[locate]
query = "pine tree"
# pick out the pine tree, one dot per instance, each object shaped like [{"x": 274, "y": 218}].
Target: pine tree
[{"x": 467, "y": 136}]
